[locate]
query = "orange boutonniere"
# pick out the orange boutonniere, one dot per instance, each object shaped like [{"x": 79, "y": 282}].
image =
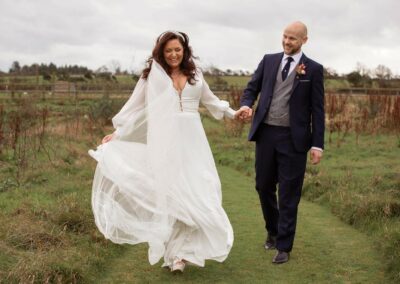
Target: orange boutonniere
[{"x": 301, "y": 69}]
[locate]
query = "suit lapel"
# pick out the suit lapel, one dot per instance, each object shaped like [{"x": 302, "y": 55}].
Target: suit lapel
[
  {"x": 303, "y": 60},
  {"x": 274, "y": 70}
]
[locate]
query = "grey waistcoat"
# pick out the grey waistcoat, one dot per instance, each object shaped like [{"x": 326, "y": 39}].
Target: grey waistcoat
[{"x": 279, "y": 110}]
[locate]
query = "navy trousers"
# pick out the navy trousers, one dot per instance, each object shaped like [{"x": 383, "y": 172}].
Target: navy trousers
[{"x": 277, "y": 162}]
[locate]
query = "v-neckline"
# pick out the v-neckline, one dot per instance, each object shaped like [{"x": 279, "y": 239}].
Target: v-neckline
[{"x": 184, "y": 86}]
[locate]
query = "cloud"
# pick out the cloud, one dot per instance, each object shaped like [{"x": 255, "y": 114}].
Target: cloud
[{"x": 228, "y": 34}]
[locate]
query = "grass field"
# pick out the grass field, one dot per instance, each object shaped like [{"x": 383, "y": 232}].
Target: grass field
[
  {"x": 231, "y": 81},
  {"x": 320, "y": 254},
  {"x": 48, "y": 232},
  {"x": 358, "y": 179}
]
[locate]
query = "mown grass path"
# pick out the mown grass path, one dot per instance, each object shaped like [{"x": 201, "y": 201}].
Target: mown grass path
[{"x": 325, "y": 251}]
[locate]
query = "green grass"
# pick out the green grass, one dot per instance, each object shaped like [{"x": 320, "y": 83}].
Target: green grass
[
  {"x": 48, "y": 233},
  {"x": 126, "y": 79},
  {"x": 238, "y": 81},
  {"x": 48, "y": 230},
  {"x": 336, "y": 84},
  {"x": 360, "y": 183},
  {"x": 31, "y": 79},
  {"x": 326, "y": 250}
]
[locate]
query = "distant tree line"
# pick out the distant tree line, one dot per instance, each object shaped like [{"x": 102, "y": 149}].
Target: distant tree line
[
  {"x": 47, "y": 69},
  {"x": 215, "y": 71},
  {"x": 362, "y": 76},
  {"x": 67, "y": 72}
]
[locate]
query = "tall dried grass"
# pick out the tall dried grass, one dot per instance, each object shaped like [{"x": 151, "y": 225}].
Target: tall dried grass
[
  {"x": 373, "y": 114},
  {"x": 234, "y": 128}
]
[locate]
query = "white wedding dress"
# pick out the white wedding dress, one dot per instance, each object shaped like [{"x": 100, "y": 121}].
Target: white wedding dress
[{"x": 156, "y": 181}]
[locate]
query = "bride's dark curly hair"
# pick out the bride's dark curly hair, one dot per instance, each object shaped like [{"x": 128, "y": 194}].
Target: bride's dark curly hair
[{"x": 187, "y": 66}]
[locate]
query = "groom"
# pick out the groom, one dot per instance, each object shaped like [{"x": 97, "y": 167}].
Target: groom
[{"x": 287, "y": 122}]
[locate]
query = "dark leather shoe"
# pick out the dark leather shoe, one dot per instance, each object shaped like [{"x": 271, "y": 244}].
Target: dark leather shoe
[
  {"x": 281, "y": 257},
  {"x": 270, "y": 242}
]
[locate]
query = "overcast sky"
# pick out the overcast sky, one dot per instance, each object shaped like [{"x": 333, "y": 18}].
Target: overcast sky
[{"x": 227, "y": 34}]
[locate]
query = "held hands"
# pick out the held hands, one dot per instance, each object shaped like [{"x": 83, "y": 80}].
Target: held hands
[
  {"x": 107, "y": 138},
  {"x": 315, "y": 156},
  {"x": 244, "y": 114}
]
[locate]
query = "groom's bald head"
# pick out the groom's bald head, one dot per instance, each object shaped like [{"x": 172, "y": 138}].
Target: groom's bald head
[
  {"x": 294, "y": 36},
  {"x": 299, "y": 28}
]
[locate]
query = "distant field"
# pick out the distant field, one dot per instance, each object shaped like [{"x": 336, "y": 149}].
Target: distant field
[
  {"x": 235, "y": 81},
  {"x": 238, "y": 81}
]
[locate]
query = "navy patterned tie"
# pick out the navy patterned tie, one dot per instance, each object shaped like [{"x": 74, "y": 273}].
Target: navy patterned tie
[{"x": 285, "y": 70}]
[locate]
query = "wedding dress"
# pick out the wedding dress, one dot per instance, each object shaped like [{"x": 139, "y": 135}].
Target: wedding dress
[{"x": 156, "y": 181}]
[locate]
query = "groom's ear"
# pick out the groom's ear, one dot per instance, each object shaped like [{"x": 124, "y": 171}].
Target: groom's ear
[{"x": 305, "y": 39}]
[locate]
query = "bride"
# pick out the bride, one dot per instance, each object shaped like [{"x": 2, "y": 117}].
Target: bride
[{"x": 156, "y": 179}]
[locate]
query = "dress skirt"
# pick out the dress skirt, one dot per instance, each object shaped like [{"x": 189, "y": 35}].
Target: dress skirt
[{"x": 176, "y": 210}]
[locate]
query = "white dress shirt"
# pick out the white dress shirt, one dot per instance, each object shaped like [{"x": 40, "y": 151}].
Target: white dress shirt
[{"x": 293, "y": 64}]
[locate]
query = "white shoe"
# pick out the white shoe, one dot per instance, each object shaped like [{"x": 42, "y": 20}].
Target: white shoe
[{"x": 177, "y": 265}]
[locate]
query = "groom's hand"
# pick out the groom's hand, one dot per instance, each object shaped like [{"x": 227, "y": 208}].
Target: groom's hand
[
  {"x": 244, "y": 113},
  {"x": 316, "y": 156}
]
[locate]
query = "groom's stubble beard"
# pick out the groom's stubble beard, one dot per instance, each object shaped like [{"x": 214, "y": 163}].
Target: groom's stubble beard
[{"x": 291, "y": 50}]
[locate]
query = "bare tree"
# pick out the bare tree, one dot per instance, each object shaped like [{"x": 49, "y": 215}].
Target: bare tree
[
  {"x": 114, "y": 66},
  {"x": 363, "y": 70},
  {"x": 383, "y": 72},
  {"x": 330, "y": 73}
]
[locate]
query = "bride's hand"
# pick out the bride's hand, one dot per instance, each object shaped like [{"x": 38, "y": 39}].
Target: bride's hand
[
  {"x": 244, "y": 114},
  {"x": 107, "y": 138}
]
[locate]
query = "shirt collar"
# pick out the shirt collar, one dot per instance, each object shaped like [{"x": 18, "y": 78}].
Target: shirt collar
[{"x": 296, "y": 57}]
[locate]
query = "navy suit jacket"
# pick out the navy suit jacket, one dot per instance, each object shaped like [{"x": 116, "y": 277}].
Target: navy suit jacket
[{"x": 306, "y": 104}]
